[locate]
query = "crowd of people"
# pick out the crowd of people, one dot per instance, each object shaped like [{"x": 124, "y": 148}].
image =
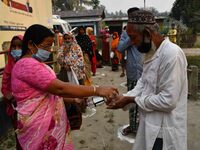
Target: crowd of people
[
  {"x": 156, "y": 72},
  {"x": 37, "y": 111}
]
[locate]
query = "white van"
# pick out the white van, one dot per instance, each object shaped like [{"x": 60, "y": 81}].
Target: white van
[{"x": 61, "y": 25}]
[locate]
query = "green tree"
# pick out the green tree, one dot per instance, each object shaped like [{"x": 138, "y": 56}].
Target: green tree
[
  {"x": 184, "y": 10},
  {"x": 74, "y": 4},
  {"x": 153, "y": 10},
  {"x": 116, "y": 14},
  {"x": 96, "y": 4},
  {"x": 67, "y": 4},
  {"x": 93, "y": 3}
]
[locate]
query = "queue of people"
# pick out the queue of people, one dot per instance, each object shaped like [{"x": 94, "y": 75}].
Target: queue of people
[
  {"x": 36, "y": 97},
  {"x": 41, "y": 118},
  {"x": 14, "y": 55}
]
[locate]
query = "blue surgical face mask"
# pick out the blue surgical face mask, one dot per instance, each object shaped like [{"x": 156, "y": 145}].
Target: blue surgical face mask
[
  {"x": 16, "y": 54},
  {"x": 42, "y": 54}
]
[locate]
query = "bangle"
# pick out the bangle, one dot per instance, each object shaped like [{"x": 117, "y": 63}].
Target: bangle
[{"x": 94, "y": 89}]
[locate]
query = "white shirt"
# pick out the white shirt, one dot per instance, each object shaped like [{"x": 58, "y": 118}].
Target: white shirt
[{"x": 161, "y": 94}]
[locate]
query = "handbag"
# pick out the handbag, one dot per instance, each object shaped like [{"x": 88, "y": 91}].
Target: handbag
[
  {"x": 74, "y": 116},
  {"x": 72, "y": 76},
  {"x": 62, "y": 75},
  {"x": 73, "y": 111}
]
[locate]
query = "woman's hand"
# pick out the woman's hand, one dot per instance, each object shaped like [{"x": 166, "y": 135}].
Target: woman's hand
[{"x": 107, "y": 91}]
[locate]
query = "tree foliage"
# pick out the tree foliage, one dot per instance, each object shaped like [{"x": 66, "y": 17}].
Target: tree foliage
[
  {"x": 116, "y": 14},
  {"x": 153, "y": 10},
  {"x": 185, "y": 10},
  {"x": 120, "y": 13},
  {"x": 74, "y": 4},
  {"x": 94, "y": 3}
]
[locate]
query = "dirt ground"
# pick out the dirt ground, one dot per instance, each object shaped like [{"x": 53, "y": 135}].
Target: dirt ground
[{"x": 99, "y": 132}]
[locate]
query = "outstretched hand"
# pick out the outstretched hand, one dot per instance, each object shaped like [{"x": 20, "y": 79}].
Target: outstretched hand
[
  {"x": 108, "y": 92},
  {"x": 119, "y": 102}
]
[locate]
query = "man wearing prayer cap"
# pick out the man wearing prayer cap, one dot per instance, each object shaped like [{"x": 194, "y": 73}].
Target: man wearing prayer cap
[{"x": 161, "y": 92}]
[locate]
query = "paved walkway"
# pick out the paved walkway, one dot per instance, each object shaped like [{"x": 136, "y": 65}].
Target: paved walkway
[{"x": 192, "y": 51}]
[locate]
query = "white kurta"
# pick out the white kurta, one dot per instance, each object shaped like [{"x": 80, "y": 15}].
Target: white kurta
[{"x": 161, "y": 94}]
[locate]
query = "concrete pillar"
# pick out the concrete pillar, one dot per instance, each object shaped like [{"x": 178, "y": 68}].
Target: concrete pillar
[{"x": 193, "y": 82}]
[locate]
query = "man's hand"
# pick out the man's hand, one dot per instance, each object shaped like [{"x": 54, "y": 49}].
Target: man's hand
[{"x": 119, "y": 102}]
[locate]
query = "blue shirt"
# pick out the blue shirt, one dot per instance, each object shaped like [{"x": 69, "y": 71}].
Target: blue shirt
[{"x": 134, "y": 57}]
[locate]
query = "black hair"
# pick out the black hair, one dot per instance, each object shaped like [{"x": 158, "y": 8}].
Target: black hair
[
  {"x": 16, "y": 37},
  {"x": 65, "y": 35},
  {"x": 36, "y": 34},
  {"x": 173, "y": 24},
  {"x": 124, "y": 28},
  {"x": 81, "y": 27},
  {"x": 132, "y": 9}
]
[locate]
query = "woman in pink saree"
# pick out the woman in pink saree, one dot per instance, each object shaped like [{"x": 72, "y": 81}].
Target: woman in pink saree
[{"x": 42, "y": 119}]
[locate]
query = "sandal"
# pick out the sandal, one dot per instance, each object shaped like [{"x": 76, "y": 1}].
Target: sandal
[
  {"x": 126, "y": 131},
  {"x": 122, "y": 74}
]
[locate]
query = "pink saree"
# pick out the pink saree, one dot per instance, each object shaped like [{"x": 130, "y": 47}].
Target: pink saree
[{"x": 42, "y": 119}]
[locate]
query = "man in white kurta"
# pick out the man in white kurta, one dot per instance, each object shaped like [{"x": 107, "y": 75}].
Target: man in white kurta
[{"x": 160, "y": 93}]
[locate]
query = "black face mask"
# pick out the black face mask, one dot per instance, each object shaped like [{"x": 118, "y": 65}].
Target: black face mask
[{"x": 144, "y": 47}]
